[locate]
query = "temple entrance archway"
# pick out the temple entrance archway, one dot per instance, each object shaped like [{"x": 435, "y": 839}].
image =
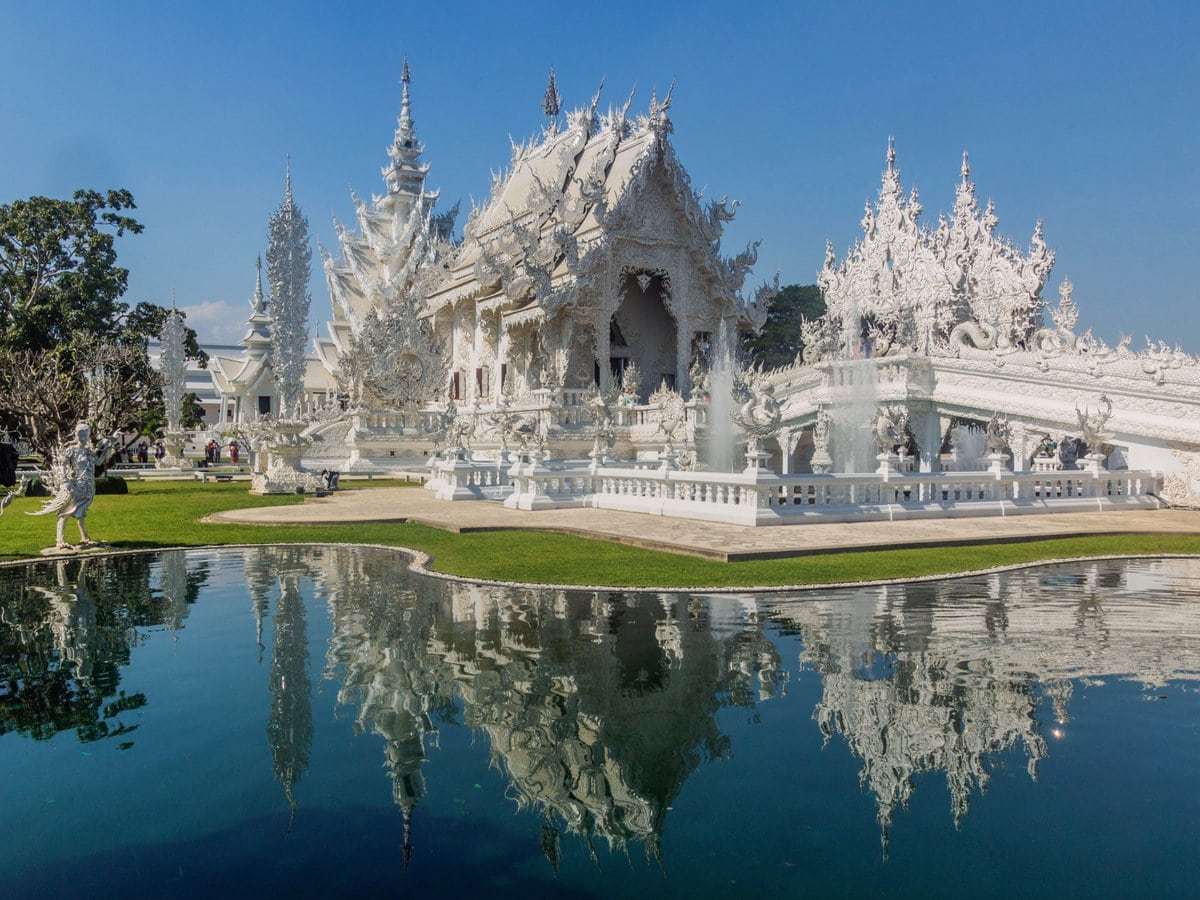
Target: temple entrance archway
[{"x": 642, "y": 330}]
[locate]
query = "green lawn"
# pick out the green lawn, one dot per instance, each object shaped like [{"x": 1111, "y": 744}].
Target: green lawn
[{"x": 168, "y": 514}]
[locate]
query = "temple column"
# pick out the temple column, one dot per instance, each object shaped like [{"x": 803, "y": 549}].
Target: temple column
[
  {"x": 1018, "y": 443},
  {"x": 682, "y": 346},
  {"x": 787, "y": 444},
  {"x": 604, "y": 351},
  {"x": 929, "y": 439},
  {"x": 502, "y": 342}
]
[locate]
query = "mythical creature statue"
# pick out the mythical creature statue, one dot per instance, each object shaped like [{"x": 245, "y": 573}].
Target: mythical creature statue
[
  {"x": 996, "y": 434},
  {"x": 461, "y": 431},
  {"x": 531, "y": 432},
  {"x": 73, "y": 476},
  {"x": 890, "y": 426},
  {"x": 672, "y": 414},
  {"x": 1092, "y": 425},
  {"x": 443, "y": 424},
  {"x": 759, "y": 415},
  {"x": 505, "y": 422}
]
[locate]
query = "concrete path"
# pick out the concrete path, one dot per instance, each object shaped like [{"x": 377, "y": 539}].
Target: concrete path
[{"x": 705, "y": 539}]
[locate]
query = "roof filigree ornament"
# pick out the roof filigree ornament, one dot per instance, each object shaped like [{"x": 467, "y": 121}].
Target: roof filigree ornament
[{"x": 909, "y": 288}]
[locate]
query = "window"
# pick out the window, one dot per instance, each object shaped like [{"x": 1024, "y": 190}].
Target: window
[{"x": 264, "y": 404}]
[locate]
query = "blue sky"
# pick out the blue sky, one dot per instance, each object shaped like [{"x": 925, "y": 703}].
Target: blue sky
[{"x": 1085, "y": 114}]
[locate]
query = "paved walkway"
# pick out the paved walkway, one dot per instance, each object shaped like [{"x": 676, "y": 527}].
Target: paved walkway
[{"x": 706, "y": 539}]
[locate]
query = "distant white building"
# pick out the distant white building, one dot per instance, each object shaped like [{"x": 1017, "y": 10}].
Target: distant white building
[{"x": 238, "y": 385}]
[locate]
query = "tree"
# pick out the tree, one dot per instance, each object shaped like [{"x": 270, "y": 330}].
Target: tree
[
  {"x": 58, "y": 271},
  {"x": 779, "y": 342},
  {"x": 155, "y": 420},
  {"x": 69, "y": 348}
]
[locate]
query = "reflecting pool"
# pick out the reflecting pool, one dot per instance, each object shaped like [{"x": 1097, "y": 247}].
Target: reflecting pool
[{"x": 317, "y": 720}]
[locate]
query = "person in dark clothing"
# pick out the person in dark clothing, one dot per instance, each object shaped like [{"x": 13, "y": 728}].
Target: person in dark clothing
[{"x": 8, "y": 464}]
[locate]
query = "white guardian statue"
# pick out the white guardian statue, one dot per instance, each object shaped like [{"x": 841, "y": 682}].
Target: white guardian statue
[{"x": 73, "y": 476}]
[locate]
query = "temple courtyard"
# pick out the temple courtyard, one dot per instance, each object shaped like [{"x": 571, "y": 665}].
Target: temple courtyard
[{"x": 708, "y": 540}]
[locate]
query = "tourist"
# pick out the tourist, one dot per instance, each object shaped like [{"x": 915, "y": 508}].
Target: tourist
[
  {"x": 143, "y": 452},
  {"x": 209, "y": 448},
  {"x": 160, "y": 450},
  {"x": 234, "y": 450}
]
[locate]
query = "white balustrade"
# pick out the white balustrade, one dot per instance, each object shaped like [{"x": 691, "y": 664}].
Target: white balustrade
[{"x": 763, "y": 498}]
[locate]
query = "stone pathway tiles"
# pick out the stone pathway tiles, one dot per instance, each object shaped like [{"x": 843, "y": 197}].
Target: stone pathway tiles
[{"x": 706, "y": 539}]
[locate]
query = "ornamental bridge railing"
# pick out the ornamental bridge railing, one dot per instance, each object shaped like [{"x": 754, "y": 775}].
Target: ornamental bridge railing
[{"x": 759, "y": 497}]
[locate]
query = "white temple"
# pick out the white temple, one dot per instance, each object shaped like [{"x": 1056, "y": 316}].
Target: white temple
[{"x": 586, "y": 310}]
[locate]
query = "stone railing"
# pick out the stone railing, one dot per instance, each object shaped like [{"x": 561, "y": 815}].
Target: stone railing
[
  {"x": 764, "y": 498},
  {"x": 460, "y": 478}
]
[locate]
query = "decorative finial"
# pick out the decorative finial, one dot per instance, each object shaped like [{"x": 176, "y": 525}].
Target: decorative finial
[
  {"x": 966, "y": 168},
  {"x": 891, "y": 153},
  {"x": 287, "y": 189},
  {"x": 551, "y": 102},
  {"x": 257, "y": 303},
  {"x": 404, "y": 128}
]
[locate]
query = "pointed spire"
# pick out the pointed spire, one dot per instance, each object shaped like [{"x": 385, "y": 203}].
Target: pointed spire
[
  {"x": 890, "y": 191},
  {"x": 966, "y": 168},
  {"x": 405, "y": 175},
  {"x": 552, "y": 102},
  {"x": 258, "y": 304},
  {"x": 287, "y": 187},
  {"x": 405, "y": 129}
]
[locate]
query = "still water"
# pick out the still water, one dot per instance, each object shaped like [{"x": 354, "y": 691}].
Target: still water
[{"x": 318, "y": 721}]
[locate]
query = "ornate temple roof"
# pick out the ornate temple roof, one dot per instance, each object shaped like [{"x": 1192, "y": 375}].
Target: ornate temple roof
[
  {"x": 563, "y": 193},
  {"x": 524, "y": 249}
]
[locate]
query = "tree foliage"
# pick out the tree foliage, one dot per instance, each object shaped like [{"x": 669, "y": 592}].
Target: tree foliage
[
  {"x": 69, "y": 348},
  {"x": 779, "y": 343}
]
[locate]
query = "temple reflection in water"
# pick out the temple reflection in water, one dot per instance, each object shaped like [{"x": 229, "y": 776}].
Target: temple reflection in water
[
  {"x": 940, "y": 676},
  {"x": 598, "y": 706}
]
